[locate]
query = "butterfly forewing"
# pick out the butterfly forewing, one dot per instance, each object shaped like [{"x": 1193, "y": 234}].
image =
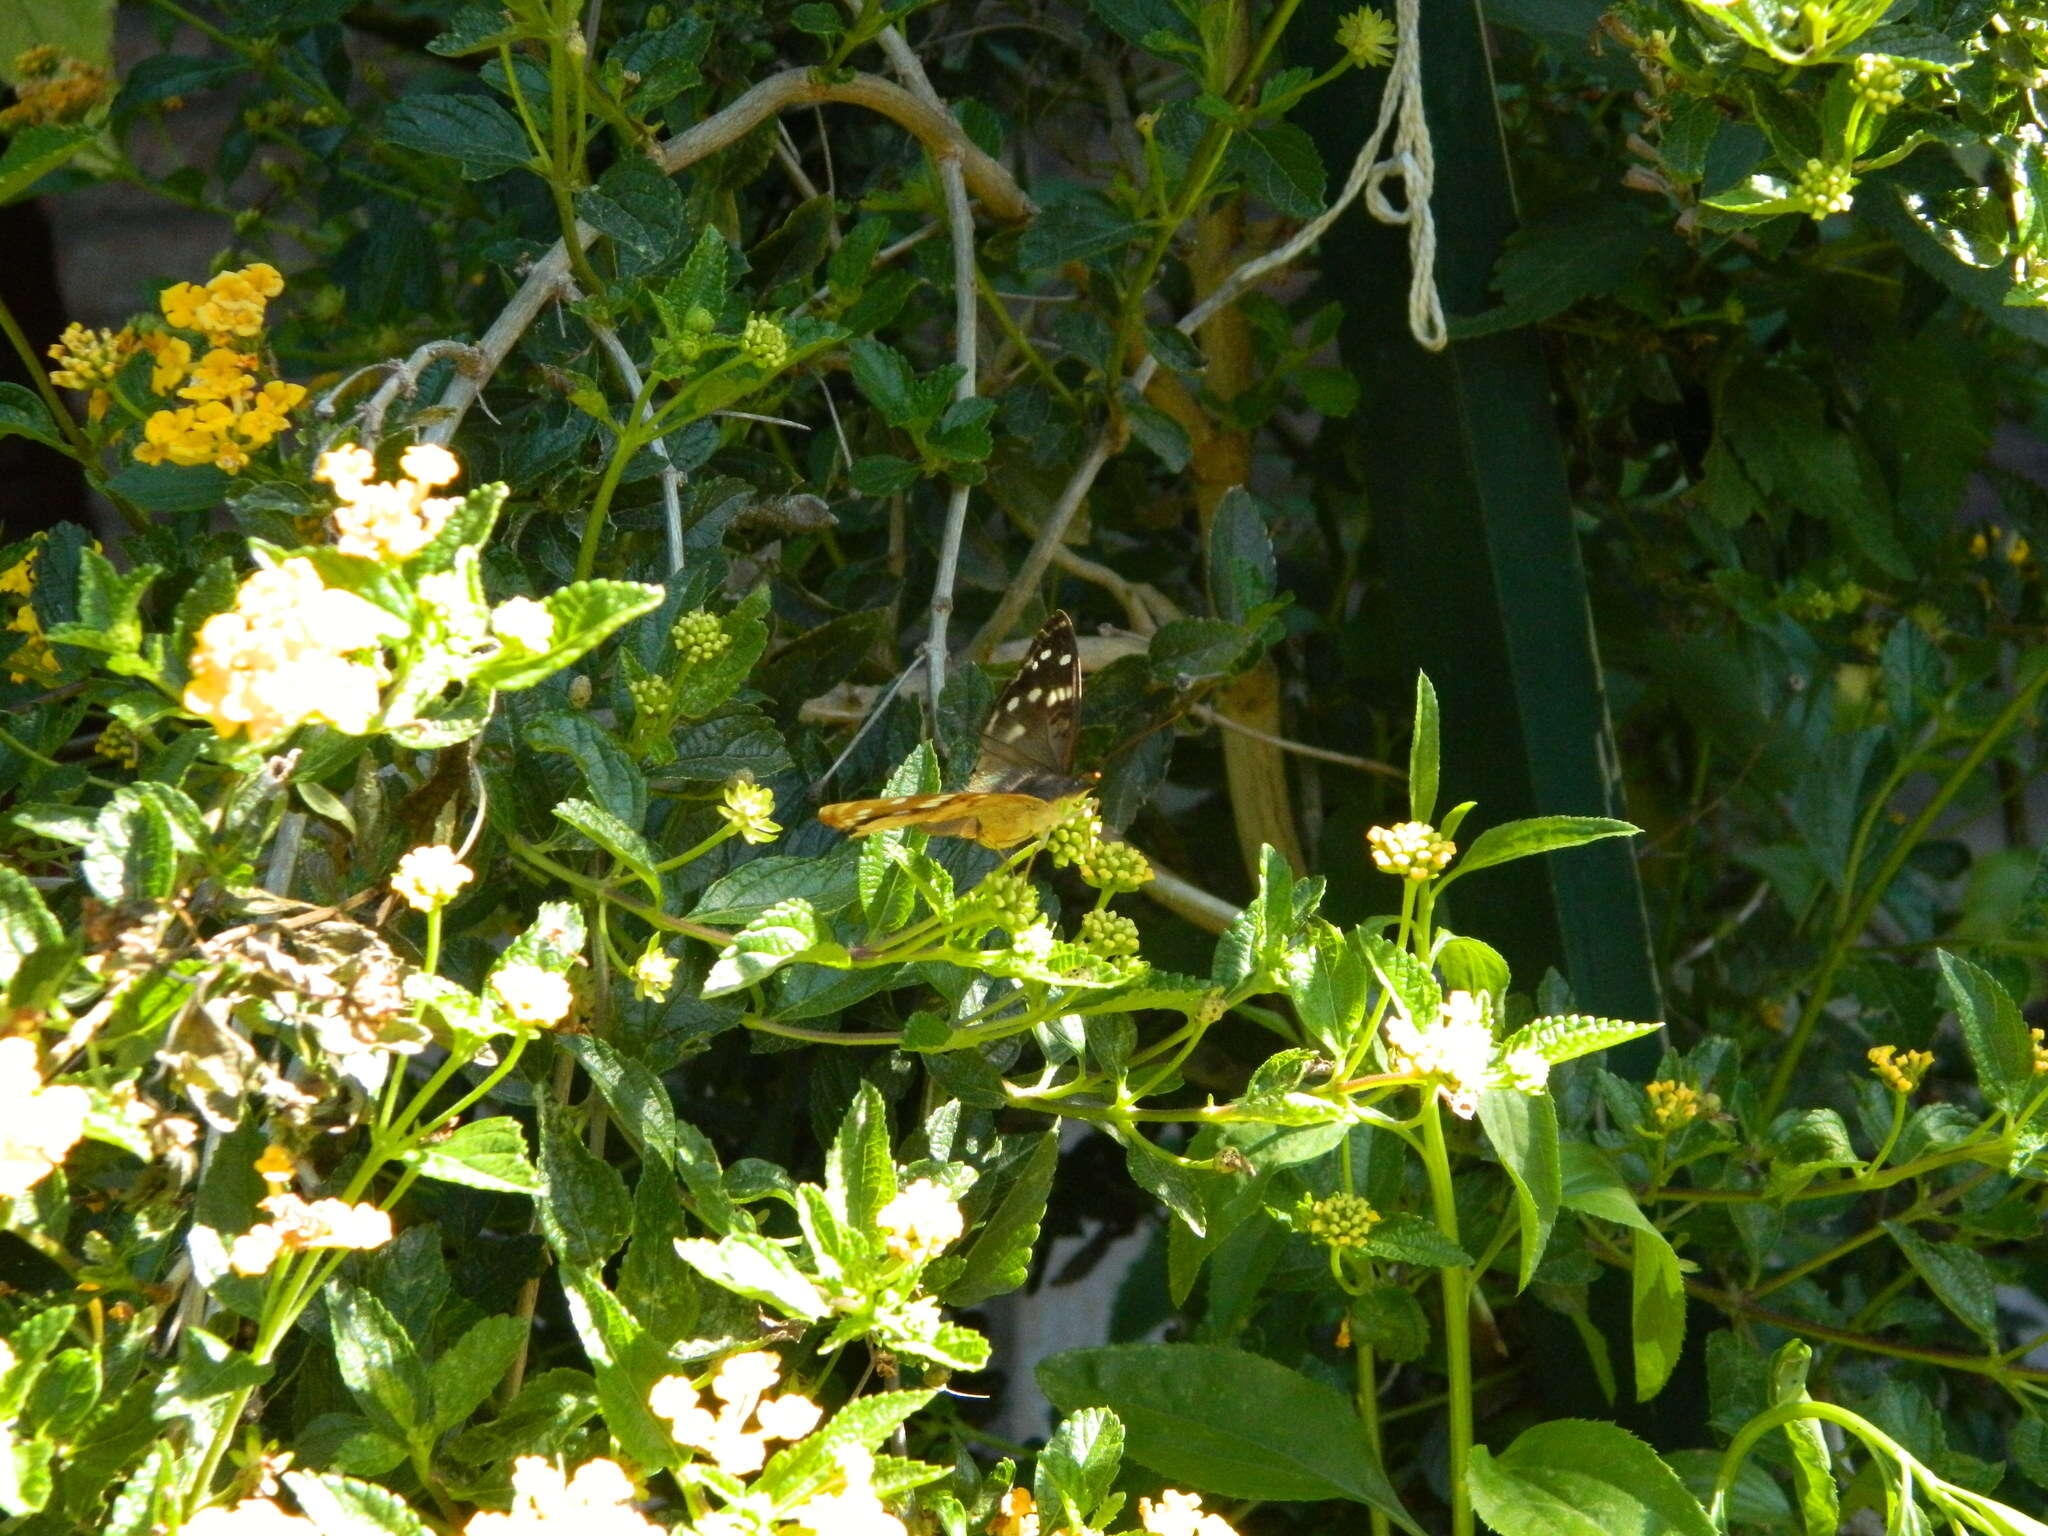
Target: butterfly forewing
[
  {"x": 1024, "y": 773},
  {"x": 1030, "y": 732}
]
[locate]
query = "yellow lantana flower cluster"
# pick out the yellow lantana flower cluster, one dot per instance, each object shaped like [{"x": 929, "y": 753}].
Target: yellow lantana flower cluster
[
  {"x": 430, "y": 877},
  {"x": 595, "y": 1500},
  {"x": 291, "y": 649},
  {"x": 233, "y": 413},
  {"x": 736, "y": 1437},
  {"x": 1675, "y": 1105},
  {"x": 1900, "y": 1071},
  {"x": 39, "y": 1125},
  {"x": 31, "y": 660},
  {"x": 388, "y": 520},
  {"x": 1410, "y": 849},
  {"x": 53, "y": 87},
  {"x": 1173, "y": 1513},
  {"x": 1455, "y": 1054}
]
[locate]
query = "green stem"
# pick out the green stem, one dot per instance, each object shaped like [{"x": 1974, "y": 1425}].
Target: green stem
[
  {"x": 1859, "y": 915},
  {"x": 627, "y": 445},
  {"x": 1369, "y": 1420},
  {"x": 81, "y": 446},
  {"x": 1457, "y": 1316}
]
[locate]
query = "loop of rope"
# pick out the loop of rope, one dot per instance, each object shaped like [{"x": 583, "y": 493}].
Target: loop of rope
[{"x": 1414, "y": 161}]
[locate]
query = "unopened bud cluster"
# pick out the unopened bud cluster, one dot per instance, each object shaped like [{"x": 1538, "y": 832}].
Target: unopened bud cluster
[
  {"x": 764, "y": 342},
  {"x": 1077, "y": 837},
  {"x": 1675, "y": 1105},
  {"x": 1012, "y": 898},
  {"x": 699, "y": 637},
  {"x": 1339, "y": 1221},
  {"x": 2040, "y": 1051},
  {"x": 1109, "y": 934},
  {"x": 651, "y": 696},
  {"x": 1410, "y": 849},
  {"x": 1115, "y": 867},
  {"x": 1877, "y": 81},
  {"x": 1822, "y": 189},
  {"x": 1901, "y": 1071}
]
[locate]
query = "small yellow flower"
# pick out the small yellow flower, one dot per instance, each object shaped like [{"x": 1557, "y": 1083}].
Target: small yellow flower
[
  {"x": 173, "y": 359},
  {"x": 297, "y": 1225},
  {"x": 595, "y": 1500},
  {"x": 533, "y": 994},
  {"x": 1901, "y": 1071},
  {"x": 55, "y": 88},
  {"x": 276, "y": 1167},
  {"x": 921, "y": 1222},
  {"x": 1674, "y": 1105},
  {"x": 89, "y": 359},
  {"x": 1367, "y": 37},
  {"x": 751, "y": 808},
  {"x": 39, "y": 1124},
  {"x": 525, "y": 623},
  {"x": 654, "y": 974},
  {"x": 222, "y": 374},
  {"x": 230, "y": 304},
  {"x": 1180, "y": 1514},
  {"x": 1016, "y": 1515},
  {"x": 1410, "y": 849},
  {"x": 2040, "y": 1051},
  {"x": 430, "y": 877}
]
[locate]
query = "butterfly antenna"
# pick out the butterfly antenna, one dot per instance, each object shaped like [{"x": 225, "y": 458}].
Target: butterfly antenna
[{"x": 875, "y": 713}]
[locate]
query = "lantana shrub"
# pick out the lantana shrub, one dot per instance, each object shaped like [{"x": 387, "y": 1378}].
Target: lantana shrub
[{"x": 452, "y": 1082}]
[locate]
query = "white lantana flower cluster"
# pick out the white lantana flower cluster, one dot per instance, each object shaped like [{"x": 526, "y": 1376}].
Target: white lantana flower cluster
[{"x": 1457, "y": 1054}]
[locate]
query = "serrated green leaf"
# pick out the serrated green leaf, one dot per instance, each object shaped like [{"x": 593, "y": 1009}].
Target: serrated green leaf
[
  {"x": 1533, "y": 835},
  {"x": 471, "y": 129},
  {"x": 1579, "y": 1477},
  {"x": 484, "y": 1154},
  {"x": 1561, "y": 1037},
  {"x": 585, "y": 614},
  {"x": 1522, "y": 1128}
]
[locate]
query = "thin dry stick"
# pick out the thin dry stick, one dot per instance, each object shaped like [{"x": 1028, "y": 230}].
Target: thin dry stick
[
  {"x": 1188, "y": 900},
  {"x": 1210, "y": 716},
  {"x": 997, "y": 189}
]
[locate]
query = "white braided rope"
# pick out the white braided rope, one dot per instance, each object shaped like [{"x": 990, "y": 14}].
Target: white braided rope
[{"x": 1413, "y": 160}]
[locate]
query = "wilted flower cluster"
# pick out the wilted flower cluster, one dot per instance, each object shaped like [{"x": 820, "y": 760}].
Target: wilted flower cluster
[
  {"x": 736, "y": 1437},
  {"x": 39, "y": 1124},
  {"x": 595, "y": 1500},
  {"x": 1410, "y": 849},
  {"x": 1173, "y": 1513},
  {"x": 297, "y": 1225},
  {"x": 388, "y": 520},
  {"x": 291, "y": 649},
  {"x": 53, "y": 87}
]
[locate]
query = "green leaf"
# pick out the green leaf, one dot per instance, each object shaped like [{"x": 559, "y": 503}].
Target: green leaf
[
  {"x": 1586, "y": 248},
  {"x": 999, "y": 1258},
  {"x": 640, "y": 209},
  {"x": 1563, "y": 1036},
  {"x": 379, "y": 1363},
  {"x": 615, "y": 838},
  {"x": 1813, "y": 1478},
  {"x": 798, "y": 1470},
  {"x": 1411, "y": 981},
  {"x": 738, "y": 740},
  {"x": 1241, "y": 569},
  {"x": 883, "y": 474},
  {"x": 626, "y": 1364},
  {"x": 1080, "y": 226},
  {"x": 1657, "y": 1311},
  {"x": 584, "y": 1208},
  {"x": 25, "y": 923},
  {"x": 1280, "y": 164},
  {"x": 782, "y": 933},
  {"x": 635, "y": 1096},
  {"x": 132, "y": 855},
  {"x": 1329, "y": 993},
  {"x": 1579, "y": 1477},
  {"x": 1960, "y": 1276},
  {"x": 31, "y": 155},
  {"x": 347, "y": 1506},
  {"x": 23, "y": 414},
  {"x": 1424, "y": 751},
  {"x": 610, "y": 774},
  {"x": 484, "y": 1154},
  {"x": 585, "y": 613},
  {"x": 1227, "y": 1422},
  {"x": 1188, "y": 651},
  {"x": 1077, "y": 1467},
  {"x": 703, "y": 687},
  {"x": 1534, "y": 835},
  {"x": 884, "y": 376},
  {"x": 828, "y": 883},
  {"x": 1406, "y": 1238},
  {"x": 750, "y": 1265},
  {"x": 469, "y": 1370},
  {"x": 1994, "y": 1030},
  {"x": 1523, "y": 1130},
  {"x": 1389, "y": 1320},
  {"x": 470, "y": 128},
  {"x": 860, "y": 1176}
]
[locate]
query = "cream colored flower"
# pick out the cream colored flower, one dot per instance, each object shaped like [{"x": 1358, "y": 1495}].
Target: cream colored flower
[
  {"x": 1016, "y": 1515},
  {"x": 297, "y": 1225},
  {"x": 852, "y": 1509},
  {"x": 523, "y": 622},
  {"x": 735, "y": 1446},
  {"x": 39, "y": 1125},
  {"x": 596, "y": 1500},
  {"x": 388, "y": 520},
  {"x": 1180, "y": 1514},
  {"x": 1410, "y": 849},
  {"x": 751, "y": 808},
  {"x": 251, "y": 1517},
  {"x": 1035, "y": 942},
  {"x": 1455, "y": 1054},
  {"x": 533, "y": 994},
  {"x": 654, "y": 974},
  {"x": 921, "y": 1222},
  {"x": 430, "y": 877}
]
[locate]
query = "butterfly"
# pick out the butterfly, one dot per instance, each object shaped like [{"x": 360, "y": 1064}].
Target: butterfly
[{"x": 1024, "y": 779}]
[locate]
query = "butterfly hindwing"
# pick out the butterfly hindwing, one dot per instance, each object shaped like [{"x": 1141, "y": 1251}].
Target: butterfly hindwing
[{"x": 1023, "y": 776}]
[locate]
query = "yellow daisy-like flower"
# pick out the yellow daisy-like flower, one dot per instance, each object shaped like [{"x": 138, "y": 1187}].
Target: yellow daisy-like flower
[
  {"x": 1367, "y": 37},
  {"x": 430, "y": 877},
  {"x": 532, "y": 994},
  {"x": 39, "y": 1124}
]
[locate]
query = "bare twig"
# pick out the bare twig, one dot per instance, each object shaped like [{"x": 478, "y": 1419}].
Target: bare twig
[
  {"x": 1018, "y": 594},
  {"x": 1208, "y": 716},
  {"x": 936, "y": 129},
  {"x": 1185, "y": 899},
  {"x": 400, "y": 378}
]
